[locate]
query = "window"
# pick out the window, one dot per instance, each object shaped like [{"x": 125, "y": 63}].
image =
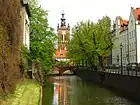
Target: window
[
  {"x": 130, "y": 47},
  {"x": 131, "y": 22},
  {"x": 129, "y": 35},
  {"x": 129, "y": 58},
  {"x": 134, "y": 33},
  {"x": 134, "y": 45},
  {"x": 124, "y": 36},
  {"x": 134, "y": 57},
  {"x": 126, "y": 48}
]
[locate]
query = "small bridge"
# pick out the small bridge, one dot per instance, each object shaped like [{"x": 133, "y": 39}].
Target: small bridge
[{"x": 62, "y": 69}]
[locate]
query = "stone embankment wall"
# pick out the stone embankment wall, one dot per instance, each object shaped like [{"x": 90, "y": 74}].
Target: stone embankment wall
[
  {"x": 10, "y": 33},
  {"x": 128, "y": 86}
]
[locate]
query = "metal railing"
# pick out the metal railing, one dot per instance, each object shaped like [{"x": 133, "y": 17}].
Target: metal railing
[
  {"x": 124, "y": 70},
  {"x": 121, "y": 70}
]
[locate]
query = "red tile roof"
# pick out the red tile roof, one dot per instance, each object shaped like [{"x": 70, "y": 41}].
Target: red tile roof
[
  {"x": 123, "y": 23},
  {"x": 137, "y": 14}
]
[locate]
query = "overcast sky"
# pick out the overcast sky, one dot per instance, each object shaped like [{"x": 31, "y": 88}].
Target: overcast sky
[{"x": 77, "y": 10}]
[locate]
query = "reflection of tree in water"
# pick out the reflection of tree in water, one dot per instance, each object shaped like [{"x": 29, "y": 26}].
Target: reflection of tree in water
[{"x": 88, "y": 94}]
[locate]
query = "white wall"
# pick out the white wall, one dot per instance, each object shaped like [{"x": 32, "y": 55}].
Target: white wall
[
  {"x": 116, "y": 49},
  {"x": 129, "y": 42},
  {"x": 25, "y": 22},
  {"x": 138, "y": 43},
  {"x": 124, "y": 41},
  {"x": 132, "y": 38},
  {"x": 27, "y": 40}
]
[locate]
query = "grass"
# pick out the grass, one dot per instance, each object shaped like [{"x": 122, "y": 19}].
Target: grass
[{"x": 26, "y": 93}]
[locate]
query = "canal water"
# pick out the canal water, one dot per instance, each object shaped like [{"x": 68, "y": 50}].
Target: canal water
[{"x": 71, "y": 90}]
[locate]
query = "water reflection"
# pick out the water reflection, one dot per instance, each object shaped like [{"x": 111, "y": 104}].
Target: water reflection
[
  {"x": 71, "y": 90},
  {"x": 60, "y": 91}
]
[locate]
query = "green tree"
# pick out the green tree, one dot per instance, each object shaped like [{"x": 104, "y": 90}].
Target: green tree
[
  {"x": 42, "y": 37},
  {"x": 81, "y": 42},
  {"x": 94, "y": 41},
  {"x": 103, "y": 39}
]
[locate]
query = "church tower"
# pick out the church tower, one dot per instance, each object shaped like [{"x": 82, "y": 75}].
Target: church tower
[{"x": 63, "y": 31}]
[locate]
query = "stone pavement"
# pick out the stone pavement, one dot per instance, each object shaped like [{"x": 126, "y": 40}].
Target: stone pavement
[{"x": 27, "y": 93}]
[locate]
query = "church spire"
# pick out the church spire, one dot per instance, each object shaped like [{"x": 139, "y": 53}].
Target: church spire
[{"x": 63, "y": 23}]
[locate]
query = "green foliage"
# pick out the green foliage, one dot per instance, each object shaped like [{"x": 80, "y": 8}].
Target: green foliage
[
  {"x": 42, "y": 37},
  {"x": 62, "y": 63},
  {"x": 25, "y": 56},
  {"x": 92, "y": 40},
  {"x": 25, "y": 52}
]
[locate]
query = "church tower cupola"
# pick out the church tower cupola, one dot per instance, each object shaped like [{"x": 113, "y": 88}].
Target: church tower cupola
[{"x": 63, "y": 23}]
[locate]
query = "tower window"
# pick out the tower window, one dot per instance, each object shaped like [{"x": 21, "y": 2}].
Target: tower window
[{"x": 61, "y": 37}]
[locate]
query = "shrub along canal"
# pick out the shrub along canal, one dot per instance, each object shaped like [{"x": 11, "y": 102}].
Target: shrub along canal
[{"x": 71, "y": 90}]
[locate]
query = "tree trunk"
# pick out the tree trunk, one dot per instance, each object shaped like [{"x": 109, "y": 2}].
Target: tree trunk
[{"x": 101, "y": 62}]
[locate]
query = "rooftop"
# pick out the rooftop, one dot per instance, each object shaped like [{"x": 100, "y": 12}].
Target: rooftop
[{"x": 137, "y": 14}]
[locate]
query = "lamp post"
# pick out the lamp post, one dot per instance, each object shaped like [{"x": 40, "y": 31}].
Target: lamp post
[
  {"x": 121, "y": 55},
  {"x": 118, "y": 59},
  {"x": 118, "y": 62}
]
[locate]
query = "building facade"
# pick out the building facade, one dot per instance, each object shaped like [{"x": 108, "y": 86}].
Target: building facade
[
  {"x": 25, "y": 14},
  {"x": 123, "y": 45},
  {"x": 134, "y": 35},
  {"x": 116, "y": 49},
  {"x": 63, "y": 31},
  {"x": 127, "y": 46}
]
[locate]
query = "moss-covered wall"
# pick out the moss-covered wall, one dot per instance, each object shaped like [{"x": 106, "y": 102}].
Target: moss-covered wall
[{"x": 10, "y": 34}]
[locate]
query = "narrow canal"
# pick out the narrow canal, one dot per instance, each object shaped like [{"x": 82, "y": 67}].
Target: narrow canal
[{"x": 71, "y": 90}]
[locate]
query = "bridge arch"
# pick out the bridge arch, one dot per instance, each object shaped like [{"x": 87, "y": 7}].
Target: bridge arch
[{"x": 62, "y": 69}]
